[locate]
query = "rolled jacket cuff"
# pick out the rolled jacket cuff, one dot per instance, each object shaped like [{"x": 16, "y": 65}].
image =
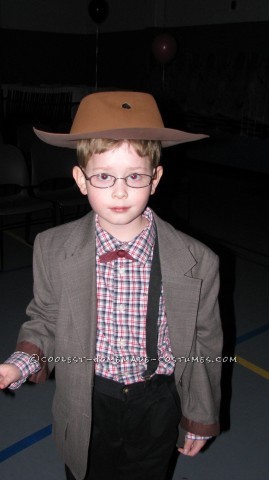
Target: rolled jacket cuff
[{"x": 201, "y": 429}]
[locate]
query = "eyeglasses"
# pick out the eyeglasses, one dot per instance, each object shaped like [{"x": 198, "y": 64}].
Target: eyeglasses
[{"x": 134, "y": 180}]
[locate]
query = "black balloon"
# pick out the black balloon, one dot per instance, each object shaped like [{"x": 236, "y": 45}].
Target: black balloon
[{"x": 98, "y": 10}]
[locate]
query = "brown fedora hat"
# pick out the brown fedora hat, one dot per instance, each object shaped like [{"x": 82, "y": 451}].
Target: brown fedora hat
[{"x": 120, "y": 116}]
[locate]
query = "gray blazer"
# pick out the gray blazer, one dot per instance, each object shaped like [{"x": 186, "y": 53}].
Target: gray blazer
[{"x": 63, "y": 327}]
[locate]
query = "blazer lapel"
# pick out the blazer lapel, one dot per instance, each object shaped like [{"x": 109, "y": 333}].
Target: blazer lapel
[
  {"x": 181, "y": 292},
  {"x": 79, "y": 280}
]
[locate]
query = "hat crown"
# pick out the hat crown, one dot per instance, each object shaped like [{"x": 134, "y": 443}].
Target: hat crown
[{"x": 116, "y": 110}]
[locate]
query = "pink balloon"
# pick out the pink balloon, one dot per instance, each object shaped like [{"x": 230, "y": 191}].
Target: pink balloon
[{"x": 164, "y": 48}]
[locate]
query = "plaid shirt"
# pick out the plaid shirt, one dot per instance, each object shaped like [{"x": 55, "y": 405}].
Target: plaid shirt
[
  {"x": 25, "y": 364},
  {"x": 122, "y": 298}
]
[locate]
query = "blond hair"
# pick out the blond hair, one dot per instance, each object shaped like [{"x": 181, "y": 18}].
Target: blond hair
[{"x": 86, "y": 148}]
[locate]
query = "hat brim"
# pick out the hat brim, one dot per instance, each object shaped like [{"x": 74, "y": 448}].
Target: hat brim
[{"x": 167, "y": 136}]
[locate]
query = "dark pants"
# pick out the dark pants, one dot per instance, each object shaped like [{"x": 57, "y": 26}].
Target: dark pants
[{"x": 134, "y": 430}]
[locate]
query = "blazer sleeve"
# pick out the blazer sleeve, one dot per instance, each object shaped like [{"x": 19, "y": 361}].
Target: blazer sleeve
[
  {"x": 37, "y": 335},
  {"x": 200, "y": 382}
]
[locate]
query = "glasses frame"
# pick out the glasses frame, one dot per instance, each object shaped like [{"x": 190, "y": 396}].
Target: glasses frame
[{"x": 118, "y": 178}]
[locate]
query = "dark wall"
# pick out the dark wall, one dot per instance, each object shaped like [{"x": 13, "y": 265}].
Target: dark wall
[
  {"x": 218, "y": 80},
  {"x": 35, "y": 58},
  {"x": 39, "y": 57}
]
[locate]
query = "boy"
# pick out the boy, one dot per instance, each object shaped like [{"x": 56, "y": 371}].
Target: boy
[{"x": 124, "y": 304}]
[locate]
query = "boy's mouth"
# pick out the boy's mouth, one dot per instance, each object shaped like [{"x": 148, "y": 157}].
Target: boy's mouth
[{"x": 119, "y": 209}]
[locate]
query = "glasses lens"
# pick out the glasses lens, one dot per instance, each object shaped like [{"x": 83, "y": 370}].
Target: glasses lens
[
  {"x": 102, "y": 180},
  {"x": 137, "y": 180}
]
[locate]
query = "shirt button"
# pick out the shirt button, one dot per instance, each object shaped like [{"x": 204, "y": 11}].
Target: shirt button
[
  {"x": 121, "y": 271},
  {"x": 121, "y": 308}
]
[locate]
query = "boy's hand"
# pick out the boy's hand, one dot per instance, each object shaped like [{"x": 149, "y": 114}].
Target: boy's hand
[
  {"x": 8, "y": 374},
  {"x": 192, "y": 447}
]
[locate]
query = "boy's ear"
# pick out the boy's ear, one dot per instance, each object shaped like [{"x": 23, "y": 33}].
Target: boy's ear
[
  {"x": 80, "y": 180},
  {"x": 157, "y": 177}
]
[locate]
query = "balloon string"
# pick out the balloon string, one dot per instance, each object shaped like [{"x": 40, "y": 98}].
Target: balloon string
[
  {"x": 96, "y": 56},
  {"x": 163, "y": 78}
]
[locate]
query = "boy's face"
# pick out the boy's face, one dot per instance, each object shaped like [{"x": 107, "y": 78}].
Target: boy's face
[{"x": 119, "y": 207}]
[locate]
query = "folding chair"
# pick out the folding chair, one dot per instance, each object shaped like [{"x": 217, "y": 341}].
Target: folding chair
[
  {"x": 52, "y": 179},
  {"x": 16, "y": 204}
]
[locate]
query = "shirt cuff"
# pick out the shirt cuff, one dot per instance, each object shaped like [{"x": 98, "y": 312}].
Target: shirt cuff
[
  {"x": 193, "y": 436},
  {"x": 26, "y": 364}
]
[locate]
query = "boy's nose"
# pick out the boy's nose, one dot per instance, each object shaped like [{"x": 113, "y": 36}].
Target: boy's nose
[{"x": 120, "y": 188}]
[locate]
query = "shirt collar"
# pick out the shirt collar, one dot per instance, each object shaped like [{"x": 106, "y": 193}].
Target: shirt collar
[{"x": 141, "y": 247}]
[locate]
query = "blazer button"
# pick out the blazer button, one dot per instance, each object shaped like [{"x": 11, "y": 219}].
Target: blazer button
[{"x": 125, "y": 390}]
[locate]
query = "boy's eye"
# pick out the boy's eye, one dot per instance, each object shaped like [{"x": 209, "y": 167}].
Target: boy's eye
[
  {"x": 103, "y": 177},
  {"x": 135, "y": 176}
]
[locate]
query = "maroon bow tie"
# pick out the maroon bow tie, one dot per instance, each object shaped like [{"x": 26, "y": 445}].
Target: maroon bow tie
[{"x": 109, "y": 256}]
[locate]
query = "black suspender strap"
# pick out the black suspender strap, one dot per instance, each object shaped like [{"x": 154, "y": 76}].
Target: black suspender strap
[{"x": 154, "y": 292}]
